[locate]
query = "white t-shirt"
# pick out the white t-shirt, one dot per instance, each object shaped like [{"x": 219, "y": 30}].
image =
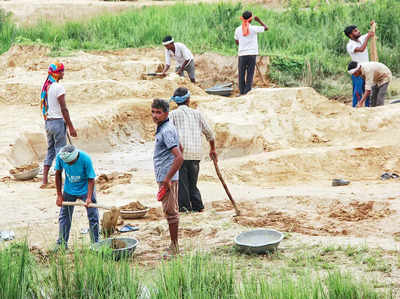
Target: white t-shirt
[
  {"x": 248, "y": 45},
  {"x": 357, "y": 56},
  {"x": 55, "y": 90},
  {"x": 182, "y": 53}
]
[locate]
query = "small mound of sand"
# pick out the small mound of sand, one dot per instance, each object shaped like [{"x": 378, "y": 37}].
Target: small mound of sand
[
  {"x": 24, "y": 168},
  {"x": 106, "y": 181},
  {"x": 117, "y": 244},
  {"x": 273, "y": 219},
  {"x": 357, "y": 211},
  {"x": 155, "y": 214},
  {"x": 133, "y": 206}
]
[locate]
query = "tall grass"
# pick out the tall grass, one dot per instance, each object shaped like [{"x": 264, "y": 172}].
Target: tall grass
[
  {"x": 91, "y": 276},
  {"x": 305, "y": 45},
  {"x": 85, "y": 274},
  {"x": 195, "y": 277},
  {"x": 18, "y": 273}
]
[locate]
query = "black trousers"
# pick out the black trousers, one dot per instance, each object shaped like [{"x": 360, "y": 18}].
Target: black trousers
[
  {"x": 189, "y": 196},
  {"x": 246, "y": 67}
]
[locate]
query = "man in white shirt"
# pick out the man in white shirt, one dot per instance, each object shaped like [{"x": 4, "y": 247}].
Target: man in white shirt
[
  {"x": 246, "y": 39},
  {"x": 184, "y": 58},
  {"x": 358, "y": 51},
  {"x": 56, "y": 116},
  {"x": 377, "y": 77}
]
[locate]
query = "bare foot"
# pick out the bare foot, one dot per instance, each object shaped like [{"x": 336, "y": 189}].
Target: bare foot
[{"x": 48, "y": 186}]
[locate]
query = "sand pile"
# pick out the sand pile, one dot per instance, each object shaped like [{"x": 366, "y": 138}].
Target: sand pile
[
  {"x": 357, "y": 211},
  {"x": 106, "y": 181},
  {"x": 133, "y": 206}
]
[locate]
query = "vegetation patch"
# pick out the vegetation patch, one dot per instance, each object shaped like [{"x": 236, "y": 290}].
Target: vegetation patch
[{"x": 306, "y": 45}]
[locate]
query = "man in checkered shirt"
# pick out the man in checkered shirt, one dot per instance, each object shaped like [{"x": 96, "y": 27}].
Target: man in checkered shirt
[{"x": 190, "y": 125}]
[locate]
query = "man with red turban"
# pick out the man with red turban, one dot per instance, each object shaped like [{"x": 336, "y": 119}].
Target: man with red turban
[{"x": 56, "y": 116}]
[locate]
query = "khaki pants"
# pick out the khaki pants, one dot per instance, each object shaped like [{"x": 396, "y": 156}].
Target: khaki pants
[{"x": 170, "y": 203}]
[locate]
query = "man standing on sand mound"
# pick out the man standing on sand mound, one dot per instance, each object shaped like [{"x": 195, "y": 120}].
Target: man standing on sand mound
[
  {"x": 56, "y": 116},
  {"x": 246, "y": 39}
]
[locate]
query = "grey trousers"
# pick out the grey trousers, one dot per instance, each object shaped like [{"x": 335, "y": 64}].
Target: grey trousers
[
  {"x": 189, "y": 68},
  {"x": 246, "y": 67},
  {"x": 56, "y": 132},
  {"x": 378, "y": 95}
]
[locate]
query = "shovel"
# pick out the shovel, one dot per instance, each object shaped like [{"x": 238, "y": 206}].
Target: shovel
[
  {"x": 154, "y": 74},
  {"x": 82, "y": 204},
  {"x": 225, "y": 187}
]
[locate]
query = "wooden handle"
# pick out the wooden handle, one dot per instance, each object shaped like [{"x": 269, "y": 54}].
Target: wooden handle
[
  {"x": 373, "y": 47},
  {"x": 225, "y": 187},
  {"x": 82, "y": 204},
  {"x": 259, "y": 72}
]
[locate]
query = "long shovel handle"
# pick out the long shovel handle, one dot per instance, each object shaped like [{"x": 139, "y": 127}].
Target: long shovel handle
[
  {"x": 82, "y": 204},
  {"x": 225, "y": 187}
]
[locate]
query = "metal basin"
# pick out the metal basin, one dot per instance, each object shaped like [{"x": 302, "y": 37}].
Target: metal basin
[
  {"x": 127, "y": 251},
  {"x": 221, "y": 90},
  {"x": 259, "y": 240},
  {"x": 27, "y": 175},
  {"x": 127, "y": 214}
]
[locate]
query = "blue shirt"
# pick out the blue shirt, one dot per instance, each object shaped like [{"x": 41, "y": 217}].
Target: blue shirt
[
  {"x": 77, "y": 174},
  {"x": 166, "y": 140}
]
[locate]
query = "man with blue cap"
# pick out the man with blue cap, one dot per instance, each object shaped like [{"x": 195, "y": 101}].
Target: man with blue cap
[
  {"x": 79, "y": 184},
  {"x": 191, "y": 125}
]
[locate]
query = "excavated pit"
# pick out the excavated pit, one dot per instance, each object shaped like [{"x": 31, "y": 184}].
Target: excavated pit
[{"x": 278, "y": 148}]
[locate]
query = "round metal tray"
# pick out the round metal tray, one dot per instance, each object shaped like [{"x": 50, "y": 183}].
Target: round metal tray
[
  {"x": 131, "y": 245},
  {"x": 26, "y": 175},
  {"x": 127, "y": 214},
  {"x": 259, "y": 240}
]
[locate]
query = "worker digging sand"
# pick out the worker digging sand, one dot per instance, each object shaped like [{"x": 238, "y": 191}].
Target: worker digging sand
[
  {"x": 167, "y": 161},
  {"x": 184, "y": 58},
  {"x": 377, "y": 77},
  {"x": 56, "y": 116},
  {"x": 79, "y": 184}
]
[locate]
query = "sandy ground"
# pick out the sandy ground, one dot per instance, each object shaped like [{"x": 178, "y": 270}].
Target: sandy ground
[
  {"x": 31, "y": 11},
  {"x": 279, "y": 150}
]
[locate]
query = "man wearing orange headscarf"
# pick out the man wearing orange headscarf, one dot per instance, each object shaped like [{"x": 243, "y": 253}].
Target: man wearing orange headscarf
[
  {"x": 246, "y": 39},
  {"x": 56, "y": 116}
]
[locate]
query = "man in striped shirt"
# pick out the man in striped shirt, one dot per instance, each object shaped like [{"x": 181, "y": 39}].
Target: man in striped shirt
[{"x": 190, "y": 125}]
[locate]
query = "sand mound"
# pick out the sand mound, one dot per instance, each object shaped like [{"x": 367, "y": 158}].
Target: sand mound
[
  {"x": 133, "y": 206},
  {"x": 106, "y": 181},
  {"x": 357, "y": 211}
]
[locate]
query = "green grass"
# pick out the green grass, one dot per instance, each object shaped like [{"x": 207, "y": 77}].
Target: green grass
[
  {"x": 306, "y": 46},
  {"x": 84, "y": 274}
]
